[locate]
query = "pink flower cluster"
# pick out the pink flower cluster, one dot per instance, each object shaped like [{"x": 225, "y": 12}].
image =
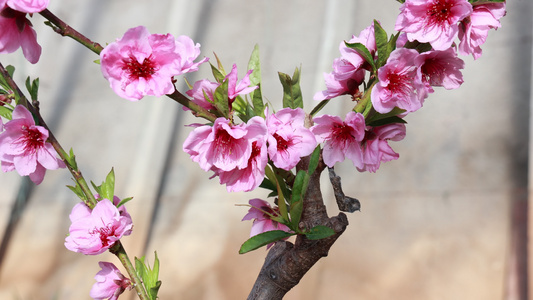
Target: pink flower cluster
[
  {"x": 24, "y": 147},
  {"x": 17, "y": 31},
  {"x": 140, "y": 63},
  {"x": 93, "y": 231},
  {"x": 365, "y": 146},
  {"x": 238, "y": 153},
  {"x": 440, "y": 22},
  {"x": 409, "y": 76}
]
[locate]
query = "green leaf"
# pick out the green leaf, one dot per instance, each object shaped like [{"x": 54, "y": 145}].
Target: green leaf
[
  {"x": 10, "y": 70},
  {"x": 78, "y": 191},
  {"x": 480, "y": 2},
  {"x": 221, "y": 101},
  {"x": 255, "y": 79},
  {"x": 384, "y": 45},
  {"x": 217, "y": 74},
  {"x": 263, "y": 239},
  {"x": 32, "y": 87},
  {"x": 6, "y": 112},
  {"x": 363, "y": 51},
  {"x": 313, "y": 162},
  {"x": 299, "y": 188},
  {"x": 318, "y": 107},
  {"x": 150, "y": 277},
  {"x": 124, "y": 201},
  {"x": 385, "y": 121},
  {"x": 377, "y": 116},
  {"x": 241, "y": 107},
  {"x": 319, "y": 232},
  {"x": 107, "y": 188},
  {"x": 292, "y": 94}
]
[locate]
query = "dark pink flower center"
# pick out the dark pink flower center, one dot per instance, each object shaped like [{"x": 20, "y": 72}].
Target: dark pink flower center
[
  {"x": 439, "y": 13},
  {"x": 104, "y": 233},
  {"x": 224, "y": 142},
  {"x": 256, "y": 150},
  {"x": 137, "y": 70},
  {"x": 32, "y": 139},
  {"x": 433, "y": 71},
  {"x": 399, "y": 84},
  {"x": 283, "y": 144},
  {"x": 342, "y": 132}
]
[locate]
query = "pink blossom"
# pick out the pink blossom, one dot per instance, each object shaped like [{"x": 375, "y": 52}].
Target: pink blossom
[
  {"x": 376, "y": 148},
  {"x": 202, "y": 89},
  {"x": 250, "y": 177},
  {"x": 474, "y": 29},
  {"x": 344, "y": 80},
  {"x": 110, "y": 283},
  {"x": 238, "y": 88},
  {"x": 348, "y": 70},
  {"x": 261, "y": 212},
  {"x": 400, "y": 83},
  {"x": 440, "y": 68},
  {"x": 342, "y": 139},
  {"x": 368, "y": 39},
  {"x": 288, "y": 139},
  {"x": 94, "y": 231},
  {"x": 140, "y": 63},
  {"x": 23, "y": 147},
  {"x": 223, "y": 145},
  {"x": 432, "y": 21},
  {"x": 17, "y": 32},
  {"x": 28, "y": 6}
]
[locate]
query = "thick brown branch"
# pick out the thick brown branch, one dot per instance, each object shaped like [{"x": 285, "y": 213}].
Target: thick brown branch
[{"x": 287, "y": 263}]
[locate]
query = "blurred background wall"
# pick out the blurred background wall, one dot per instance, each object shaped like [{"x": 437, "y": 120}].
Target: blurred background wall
[{"x": 446, "y": 221}]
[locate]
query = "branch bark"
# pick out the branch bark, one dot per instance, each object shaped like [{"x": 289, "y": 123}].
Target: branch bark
[{"x": 286, "y": 263}]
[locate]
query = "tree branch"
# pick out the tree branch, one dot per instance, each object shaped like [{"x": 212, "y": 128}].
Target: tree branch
[{"x": 287, "y": 263}]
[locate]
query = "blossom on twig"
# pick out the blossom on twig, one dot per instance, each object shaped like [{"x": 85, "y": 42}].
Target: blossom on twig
[
  {"x": 288, "y": 139},
  {"x": 24, "y": 147},
  {"x": 140, "y": 63},
  {"x": 17, "y": 32},
  {"x": 341, "y": 138},
  {"x": 94, "y": 231},
  {"x": 110, "y": 282},
  {"x": 432, "y": 21}
]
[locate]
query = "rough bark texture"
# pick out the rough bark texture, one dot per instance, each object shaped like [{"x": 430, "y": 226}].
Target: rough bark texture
[{"x": 287, "y": 263}]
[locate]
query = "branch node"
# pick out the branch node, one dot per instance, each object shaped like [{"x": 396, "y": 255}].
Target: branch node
[{"x": 345, "y": 203}]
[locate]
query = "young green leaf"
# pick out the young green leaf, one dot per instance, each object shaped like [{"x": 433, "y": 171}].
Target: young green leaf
[
  {"x": 263, "y": 239},
  {"x": 107, "y": 188},
  {"x": 78, "y": 191},
  {"x": 6, "y": 112},
  {"x": 363, "y": 51},
  {"x": 319, "y": 232},
  {"x": 292, "y": 94},
  {"x": 221, "y": 101},
  {"x": 124, "y": 201},
  {"x": 386, "y": 121},
  {"x": 217, "y": 74},
  {"x": 255, "y": 79},
  {"x": 313, "y": 162}
]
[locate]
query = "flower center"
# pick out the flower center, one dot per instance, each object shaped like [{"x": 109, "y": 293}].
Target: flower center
[
  {"x": 399, "y": 84},
  {"x": 224, "y": 142},
  {"x": 104, "y": 233},
  {"x": 342, "y": 132},
  {"x": 283, "y": 144},
  {"x": 439, "y": 13},
  {"x": 137, "y": 70},
  {"x": 32, "y": 139}
]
